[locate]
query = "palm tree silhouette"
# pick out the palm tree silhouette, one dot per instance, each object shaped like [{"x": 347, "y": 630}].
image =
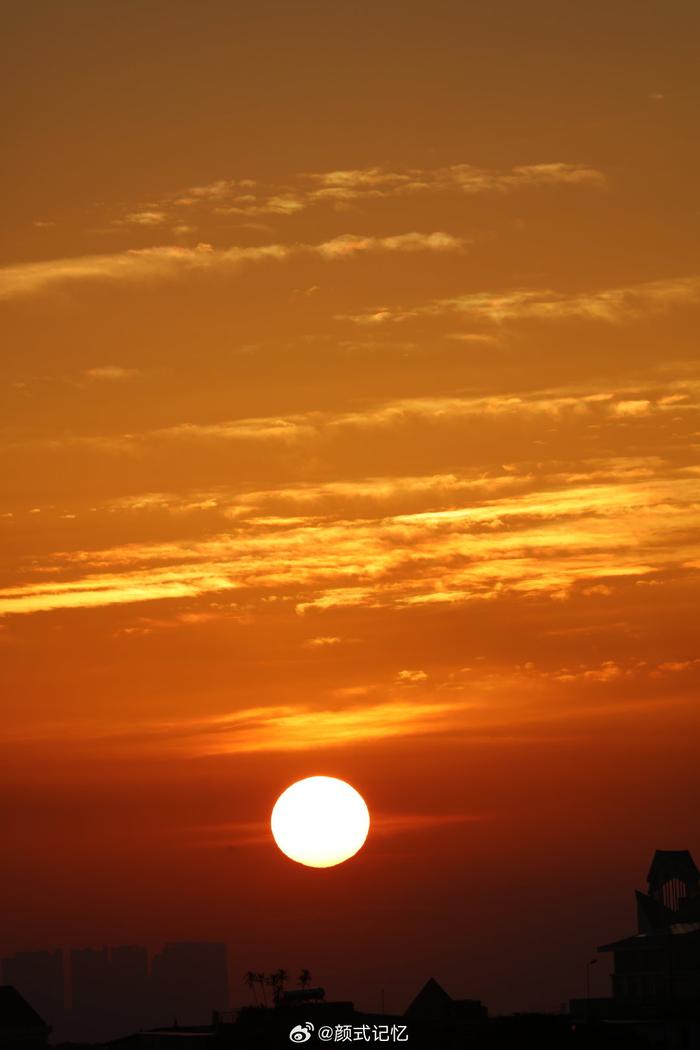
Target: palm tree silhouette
[
  {"x": 261, "y": 981},
  {"x": 251, "y": 979},
  {"x": 305, "y": 978},
  {"x": 277, "y": 980}
]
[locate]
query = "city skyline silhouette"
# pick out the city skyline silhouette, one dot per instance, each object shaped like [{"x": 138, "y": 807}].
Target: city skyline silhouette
[{"x": 108, "y": 994}]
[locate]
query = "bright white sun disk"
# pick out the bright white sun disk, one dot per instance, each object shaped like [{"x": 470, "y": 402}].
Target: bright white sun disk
[{"x": 320, "y": 821}]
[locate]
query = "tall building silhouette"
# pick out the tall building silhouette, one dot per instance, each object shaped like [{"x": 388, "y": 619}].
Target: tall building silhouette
[
  {"x": 129, "y": 986},
  {"x": 189, "y": 980},
  {"x": 128, "y": 965},
  {"x": 90, "y": 973},
  {"x": 39, "y": 978},
  {"x": 90, "y": 993},
  {"x": 660, "y": 964},
  {"x": 110, "y": 991},
  {"x": 656, "y": 975}
]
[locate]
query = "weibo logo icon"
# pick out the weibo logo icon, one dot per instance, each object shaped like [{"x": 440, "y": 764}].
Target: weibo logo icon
[{"x": 301, "y": 1033}]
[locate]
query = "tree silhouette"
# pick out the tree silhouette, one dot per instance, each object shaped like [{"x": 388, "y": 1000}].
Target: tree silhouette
[
  {"x": 277, "y": 980},
  {"x": 261, "y": 981},
  {"x": 251, "y": 979}
]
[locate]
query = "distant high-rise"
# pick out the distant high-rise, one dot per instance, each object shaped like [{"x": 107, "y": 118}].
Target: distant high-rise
[
  {"x": 38, "y": 977},
  {"x": 90, "y": 980},
  {"x": 110, "y": 991},
  {"x": 129, "y": 986},
  {"x": 129, "y": 972},
  {"x": 189, "y": 981}
]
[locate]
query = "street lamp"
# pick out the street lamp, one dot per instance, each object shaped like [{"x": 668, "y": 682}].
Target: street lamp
[{"x": 591, "y": 962}]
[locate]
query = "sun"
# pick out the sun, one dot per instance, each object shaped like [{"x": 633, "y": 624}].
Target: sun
[{"x": 320, "y": 821}]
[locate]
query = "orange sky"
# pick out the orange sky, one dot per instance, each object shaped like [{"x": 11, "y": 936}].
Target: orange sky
[{"x": 350, "y": 426}]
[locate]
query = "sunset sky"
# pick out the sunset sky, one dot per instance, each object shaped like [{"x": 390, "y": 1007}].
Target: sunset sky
[{"x": 350, "y": 426}]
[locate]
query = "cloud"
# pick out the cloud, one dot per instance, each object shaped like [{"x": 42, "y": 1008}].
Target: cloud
[
  {"x": 542, "y": 539},
  {"x": 401, "y": 823},
  {"x": 303, "y": 501},
  {"x": 554, "y": 404},
  {"x": 367, "y": 183},
  {"x": 348, "y": 244},
  {"x": 282, "y": 727},
  {"x": 612, "y": 305},
  {"x": 411, "y": 677},
  {"x": 145, "y": 217},
  {"x": 300, "y": 728},
  {"x": 257, "y": 833},
  {"x": 302, "y": 432},
  {"x": 633, "y": 408},
  {"x": 490, "y": 702},
  {"x": 613, "y": 671},
  {"x": 170, "y": 262},
  {"x": 542, "y": 529},
  {"x": 133, "y": 265},
  {"x": 252, "y": 198},
  {"x": 102, "y": 589},
  {"x": 478, "y": 338},
  {"x": 679, "y": 665},
  {"x": 111, "y": 373},
  {"x": 283, "y": 203}
]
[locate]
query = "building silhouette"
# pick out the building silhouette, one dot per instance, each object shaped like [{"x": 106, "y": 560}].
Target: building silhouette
[
  {"x": 129, "y": 972},
  {"x": 129, "y": 993},
  {"x": 90, "y": 974},
  {"x": 189, "y": 980},
  {"x": 91, "y": 999},
  {"x": 660, "y": 964},
  {"x": 433, "y": 1021},
  {"x": 434, "y": 1018},
  {"x": 656, "y": 975},
  {"x": 39, "y": 978},
  {"x": 433, "y": 1004},
  {"x": 113, "y": 991},
  {"x": 21, "y": 1027}
]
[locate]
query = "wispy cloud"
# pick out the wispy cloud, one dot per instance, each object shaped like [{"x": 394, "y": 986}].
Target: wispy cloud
[
  {"x": 251, "y": 198},
  {"x": 492, "y": 703},
  {"x": 358, "y": 183},
  {"x": 348, "y": 244},
  {"x": 554, "y": 404},
  {"x": 111, "y": 373},
  {"x": 622, "y": 406},
  {"x": 542, "y": 540},
  {"x": 535, "y": 528},
  {"x": 169, "y": 262},
  {"x": 385, "y": 825},
  {"x": 280, "y": 727},
  {"x": 607, "y": 304},
  {"x": 299, "y": 728},
  {"x": 101, "y": 589},
  {"x": 144, "y": 217}
]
